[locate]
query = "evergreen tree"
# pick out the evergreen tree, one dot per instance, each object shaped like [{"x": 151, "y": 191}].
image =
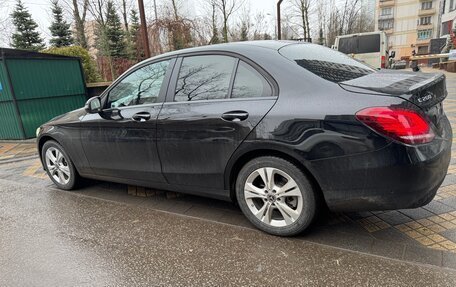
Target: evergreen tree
[
  {"x": 25, "y": 37},
  {"x": 266, "y": 36},
  {"x": 114, "y": 34},
  {"x": 133, "y": 48},
  {"x": 60, "y": 29},
  {"x": 215, "y": 38},
  {"x": 134, "y": 26},
  {"x": 244, "y": 32}
]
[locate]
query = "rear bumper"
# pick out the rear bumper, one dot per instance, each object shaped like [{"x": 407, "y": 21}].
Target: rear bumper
[{"x": 394, "y": 177}]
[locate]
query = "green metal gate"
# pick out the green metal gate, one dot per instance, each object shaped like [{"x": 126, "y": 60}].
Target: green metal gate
[{"x": 36, "y": 87}]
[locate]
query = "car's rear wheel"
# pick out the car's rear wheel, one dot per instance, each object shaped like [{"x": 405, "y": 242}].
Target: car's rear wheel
[
  {"x": 59, "y": 166},
  {"x": 275, "y": 196}
]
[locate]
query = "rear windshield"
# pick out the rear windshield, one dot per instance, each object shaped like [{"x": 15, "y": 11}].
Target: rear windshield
[
  {"x": 360, "y": 44},
  {"x": 326, "y": 63}
]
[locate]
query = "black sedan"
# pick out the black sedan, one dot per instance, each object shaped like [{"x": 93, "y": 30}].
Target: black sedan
[{"x": 282, "y": 128}]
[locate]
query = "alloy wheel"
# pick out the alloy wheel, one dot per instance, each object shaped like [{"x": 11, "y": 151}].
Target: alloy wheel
[
  {"x": 273, "y": 197},
  {"x": 57, "y": 165}
]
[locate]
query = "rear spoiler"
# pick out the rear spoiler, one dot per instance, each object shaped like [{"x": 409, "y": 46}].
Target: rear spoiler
[{"x": 393, "y": 83}]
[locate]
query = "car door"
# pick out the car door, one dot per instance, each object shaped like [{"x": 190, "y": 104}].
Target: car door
[
  {"x": 120, "y": 141},
  {"x": 213, "y": 103}
]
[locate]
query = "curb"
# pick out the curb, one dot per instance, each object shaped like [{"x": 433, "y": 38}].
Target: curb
[{"x": 18, "y": 159}]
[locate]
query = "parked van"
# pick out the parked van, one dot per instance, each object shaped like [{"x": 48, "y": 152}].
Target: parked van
[{"x": 371, "y": 47}]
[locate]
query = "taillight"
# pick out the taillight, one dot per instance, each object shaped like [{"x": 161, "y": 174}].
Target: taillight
[
  {"x": 383, "y": 63},
  {"x": 406, "y": 126}
]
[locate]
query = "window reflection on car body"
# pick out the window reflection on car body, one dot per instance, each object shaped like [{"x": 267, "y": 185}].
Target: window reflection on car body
[
  {"x": 204, "y": 78},
  {"x": 128, "y": 92}
]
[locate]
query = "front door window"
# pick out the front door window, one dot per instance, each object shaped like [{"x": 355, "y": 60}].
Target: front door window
[{"x": 140, "y": 87}]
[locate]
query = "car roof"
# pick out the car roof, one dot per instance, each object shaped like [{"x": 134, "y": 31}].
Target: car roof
[{"x": 232, "y": 47}]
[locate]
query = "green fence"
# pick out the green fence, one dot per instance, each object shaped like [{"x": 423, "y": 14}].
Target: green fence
[{"x": 35, "y": 88}]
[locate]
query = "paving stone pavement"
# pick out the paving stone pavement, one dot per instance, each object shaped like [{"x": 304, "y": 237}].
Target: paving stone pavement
[
  {"x": 10, "y": 151},
  {"x": 426, "y": 235}
]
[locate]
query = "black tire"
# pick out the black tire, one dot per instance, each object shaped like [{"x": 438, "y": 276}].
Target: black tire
[
  {"x": 74, "y": 178},
  {"x": 306, "y": 189}
]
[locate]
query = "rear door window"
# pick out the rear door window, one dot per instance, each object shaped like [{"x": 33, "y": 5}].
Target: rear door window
[
  {"x": 249, "y": 83},
  {"x": 204, "y": 78}
]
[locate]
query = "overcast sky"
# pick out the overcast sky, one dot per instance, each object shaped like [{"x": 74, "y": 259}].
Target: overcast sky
[{"x": 41, "y": 11}]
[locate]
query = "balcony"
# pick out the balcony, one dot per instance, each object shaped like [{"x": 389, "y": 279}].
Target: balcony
[
  {"x": 426, "y": 12},
  {"x": 386, "y": 3},
  {"x": 425, "y": 26},
  {"x": 385, "y": 17},
  {"x": 423, "y": 41},
  {"x": 388, "y": 31}
]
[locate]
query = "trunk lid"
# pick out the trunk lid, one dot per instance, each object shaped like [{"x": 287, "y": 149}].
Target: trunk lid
[{"x": 426, "y": 91}]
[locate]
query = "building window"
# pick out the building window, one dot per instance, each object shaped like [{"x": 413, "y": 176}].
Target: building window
[
  {"x": 387, "y": 11},
  {"x": 446, "y": 28},
  {"x": 386, "y": 24},
  {"x": 426, "y": 5},
  {"x": 425, "y": 20},
  {"x": 423, "y": 50},
  {"x": 424, "y": 34},
  {"x": 452, "y": 6}
]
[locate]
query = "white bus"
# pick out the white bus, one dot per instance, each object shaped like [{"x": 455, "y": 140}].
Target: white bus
[{"x": 371, "y": 47}]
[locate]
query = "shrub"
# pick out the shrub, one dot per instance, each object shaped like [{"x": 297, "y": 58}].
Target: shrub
[{"x": 88, "y": 64}]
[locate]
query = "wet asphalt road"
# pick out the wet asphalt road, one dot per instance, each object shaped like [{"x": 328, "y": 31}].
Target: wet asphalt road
[{"x": 55, "y": 238}]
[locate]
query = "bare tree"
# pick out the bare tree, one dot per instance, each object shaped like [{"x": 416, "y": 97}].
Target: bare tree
[
  {"x": 126, "y": 6},
  {"x": 171, "y": 31},
  {"x": 337, "y": 17},
  {"x": 242, "y": 30},
  {"x": 350, "y": 14},
  {"x": 302, "y": 7},
  {"x": 322, "y": 10},
  {"x": 79, "y": 9},
  {"x": 259, "y": 26},
  {"x": 5, "y": 25},
  {"x": 175, "y": 9},
  {"x": 227, "y": 8},
  {"x": 212, "y": 4},
  {"x": 97, "y": 10}
]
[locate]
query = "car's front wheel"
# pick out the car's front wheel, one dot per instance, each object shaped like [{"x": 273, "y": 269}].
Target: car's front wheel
[
  {"x": 59, "y": 166},
  {"x": 275, "y": 196}
]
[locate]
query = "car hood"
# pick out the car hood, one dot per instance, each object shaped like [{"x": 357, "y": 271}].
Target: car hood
[{"x": 70, "y": 117}]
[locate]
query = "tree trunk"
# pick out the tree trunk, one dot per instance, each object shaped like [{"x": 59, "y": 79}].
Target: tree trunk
[
  {"x": 225, "y": 22},
  {"x": 125, "y": 14},
  {"x": 80, "y": 23},
  {"x": 306, "y": 12}
]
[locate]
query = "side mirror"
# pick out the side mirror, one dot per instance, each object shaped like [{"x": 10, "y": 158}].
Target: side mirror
[{"x": 93, "y": 105}]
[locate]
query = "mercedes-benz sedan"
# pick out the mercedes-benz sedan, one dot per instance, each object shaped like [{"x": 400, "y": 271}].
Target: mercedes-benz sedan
[{"x": 282, "y": 128}]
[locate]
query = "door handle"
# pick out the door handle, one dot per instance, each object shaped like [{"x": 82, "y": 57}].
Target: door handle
[
  {"x": 235, "y": 116},
  {"x": 141, "y": 117}
]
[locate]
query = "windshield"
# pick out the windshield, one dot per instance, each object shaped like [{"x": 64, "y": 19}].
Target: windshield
[{"x": 326, "y": 63}]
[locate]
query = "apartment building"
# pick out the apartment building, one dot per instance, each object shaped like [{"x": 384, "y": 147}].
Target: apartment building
[
  {"x": 409, "y": 24},
  {"x": 448, "y": 16}
]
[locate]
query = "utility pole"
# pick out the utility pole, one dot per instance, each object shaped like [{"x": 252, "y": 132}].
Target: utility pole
[
  {"x": 144, "y": 36},
  {"x": 279, "y": 27},
  {"x": 155, "y": 10}
]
